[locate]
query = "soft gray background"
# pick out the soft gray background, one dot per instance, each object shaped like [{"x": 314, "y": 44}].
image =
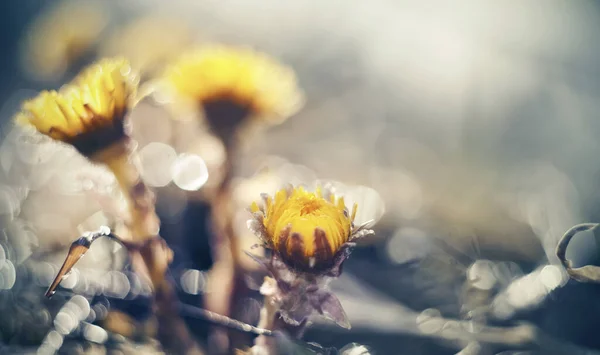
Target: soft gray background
[{"x": 477, "y": 121}]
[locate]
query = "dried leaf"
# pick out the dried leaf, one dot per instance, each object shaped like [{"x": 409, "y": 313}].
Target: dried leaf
[{"x": 331, "y": 308}]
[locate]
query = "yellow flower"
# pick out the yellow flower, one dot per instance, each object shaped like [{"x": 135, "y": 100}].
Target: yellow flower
[
  {"x": 149, "y": 42},
  {"x": 305, "y": 229},
  {"x": 248, "y": 79},
  {"x": 63, "y": 35},
  {"x": 89, "y": 112}
]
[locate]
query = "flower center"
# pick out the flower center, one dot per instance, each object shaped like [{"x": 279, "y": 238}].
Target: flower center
[
  {"x": 306, "y": 229},
  {"x": 310, "y": 207}
]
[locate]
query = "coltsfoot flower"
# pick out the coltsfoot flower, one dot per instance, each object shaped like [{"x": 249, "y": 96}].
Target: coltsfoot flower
[
  {"x": 231, "y": 84},
  {"x": 306, "y": 229},
  {"x": 62, "y": 36},
  {"x": 309, "y": 236},
  {"x": 88, "y": 113},
  {"x": 149, "y": 42}
]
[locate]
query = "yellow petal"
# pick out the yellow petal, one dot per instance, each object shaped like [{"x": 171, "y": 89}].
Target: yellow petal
[{"x": 237, "y": 74}]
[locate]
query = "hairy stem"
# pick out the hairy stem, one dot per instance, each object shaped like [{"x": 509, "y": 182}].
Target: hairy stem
[
  {"x": 264, "y": 345},
  {"x": 225, "y": 269},
  {"x": 144, "y": 222},
  {"x": 153, "y": 257}
]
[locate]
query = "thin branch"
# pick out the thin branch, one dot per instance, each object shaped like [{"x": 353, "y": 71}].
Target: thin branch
[
  {"x": 587, "y": 273},
  {"x": 220, "y": 320}
]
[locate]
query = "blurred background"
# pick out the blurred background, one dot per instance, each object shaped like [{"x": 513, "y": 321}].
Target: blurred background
[{"x": 468, "y": 130}]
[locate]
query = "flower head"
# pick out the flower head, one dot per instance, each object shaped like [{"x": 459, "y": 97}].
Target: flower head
[
  {"x": 305, "y": 228},
  {"x": 310, "y": 235},
  {"x": 231, "y": 84},
  {"x": 89, "y": 112}
]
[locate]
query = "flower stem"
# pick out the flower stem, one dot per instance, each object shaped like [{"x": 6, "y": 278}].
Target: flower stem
[
  {"x": 144, "y": 222},
  {"x": 225, "y": 269},
  {"x": 151, "y": 260},
  {"x": 264, "y": 345}
]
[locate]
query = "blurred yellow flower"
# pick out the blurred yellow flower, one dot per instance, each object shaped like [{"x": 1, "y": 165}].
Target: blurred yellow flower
[
  {"x": 89, "y": 112},
  {"x": 254, "y": 82},
  {"x": 62, "y": 36},
  {"x": 149, "y": 42},
  {"x": 305, "y": 229}
]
